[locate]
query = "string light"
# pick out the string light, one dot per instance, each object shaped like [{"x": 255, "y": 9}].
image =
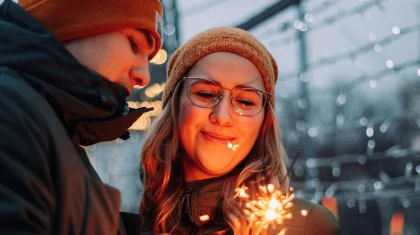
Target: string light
[
  {"x": 112, "y": 168},
  {"x": 362, "y": 206},
  {"x": 390, "y": 64},
  {"x": 377, "y": 46},
  {"x": 310, "y": 163},
  {"x": 341, "y": 99},
  {"x": 160, "y": 57},
  {"x": 304, "y": 77},
  {"x": 384, "y": 123},
  {"x": 372, "y": 36},
  {"x": 351, "y": 203},
  {"x": 367, "y": 189},
  {"x": 361, "y": 188},
  {"x": 363, "y": 121},
  {"x": 302, "y": 103},
  {"x": 391, "y": 153},
  {"x": 169, "y": 29},
  {"x": 340, "y": 120},
  {"x": 336, "y": 171},
  {"x": 300, "y": 125},
  {"x": 313, "y": 132},
  {"x": 333, "y": 20},
  {"x": 396, "y": 30},
  {"x": 309, "y": 17},
  {"x": 371, "y": 144},
  {"x": 373, "y": 83},
  {"x": 364, "y": 77},
  {"x": 369, "y": 132},
  {"x": 362, "y": 160},
  {"x": 154, "y": 90}
]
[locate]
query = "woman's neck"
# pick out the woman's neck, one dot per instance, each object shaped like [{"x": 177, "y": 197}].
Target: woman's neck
[{"x": 199, "y": 183}]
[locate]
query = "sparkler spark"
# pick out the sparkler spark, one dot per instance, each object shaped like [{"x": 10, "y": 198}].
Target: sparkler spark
[
  {"x": 204, "y": 218},
  {"x": 270, "y": 209},
  {"x": 232, "y": 146}
]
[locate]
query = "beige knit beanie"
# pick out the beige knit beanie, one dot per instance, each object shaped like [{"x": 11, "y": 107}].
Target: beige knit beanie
[{"x": 223, "y": 39}]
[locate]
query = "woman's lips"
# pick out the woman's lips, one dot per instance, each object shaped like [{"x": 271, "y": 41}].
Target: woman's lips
[{"x": 214, "y": 137}]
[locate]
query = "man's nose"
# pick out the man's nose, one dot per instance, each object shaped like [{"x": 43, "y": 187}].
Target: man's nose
[{"x": 140, "y": 73}]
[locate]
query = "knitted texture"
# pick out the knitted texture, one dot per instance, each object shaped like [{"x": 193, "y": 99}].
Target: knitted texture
[
  {"x": 69, "y": 19},
  {"x": 223, "y": 39}
]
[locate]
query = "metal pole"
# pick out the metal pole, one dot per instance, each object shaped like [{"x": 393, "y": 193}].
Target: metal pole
[
  {"x": 305, "y": 111},
  {"x": 267, "y": 13}
]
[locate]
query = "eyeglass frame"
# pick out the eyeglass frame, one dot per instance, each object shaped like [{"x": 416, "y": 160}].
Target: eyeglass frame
[{"x": 266, "y": 95}]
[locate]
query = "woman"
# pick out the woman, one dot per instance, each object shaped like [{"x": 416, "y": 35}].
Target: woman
[{"x": 218, "y": 132}]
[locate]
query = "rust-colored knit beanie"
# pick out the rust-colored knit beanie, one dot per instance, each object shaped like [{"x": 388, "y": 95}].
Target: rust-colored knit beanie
[
  {"x": 223, "y": 39},
  {"x": 70, "y": 19}
]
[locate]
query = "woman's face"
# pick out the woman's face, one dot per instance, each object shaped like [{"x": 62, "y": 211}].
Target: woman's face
[{"x": 215, "y": 140}]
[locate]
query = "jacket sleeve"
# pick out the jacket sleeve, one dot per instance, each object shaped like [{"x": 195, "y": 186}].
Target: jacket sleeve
[
  {"x": 26, "y": 195},
  {"x": 321, "y": 221}
]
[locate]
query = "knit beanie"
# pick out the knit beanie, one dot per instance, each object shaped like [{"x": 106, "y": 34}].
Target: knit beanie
[
  {"x": 223, "y": 39},
  {"x": 70, "y": 19}
]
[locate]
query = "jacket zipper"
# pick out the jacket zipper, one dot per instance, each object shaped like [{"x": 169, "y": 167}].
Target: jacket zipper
[
  {"x": 188, "y": 197},
  {"x": 188, "y": 205}
]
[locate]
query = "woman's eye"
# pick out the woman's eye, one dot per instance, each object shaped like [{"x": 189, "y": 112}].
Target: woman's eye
[
  {"x": 133, "y": 44},
  {"x": 205, "y": 95},
  {"x": 245, "y": 103}
]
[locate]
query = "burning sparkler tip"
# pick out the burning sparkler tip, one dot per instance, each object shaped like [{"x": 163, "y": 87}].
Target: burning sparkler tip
[{"x": 270, "y": 207}]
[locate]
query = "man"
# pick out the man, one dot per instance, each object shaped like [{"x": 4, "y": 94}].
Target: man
[{"x": 66, "y": 68}]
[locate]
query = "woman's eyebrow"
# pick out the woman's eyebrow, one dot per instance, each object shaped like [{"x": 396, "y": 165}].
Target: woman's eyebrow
[{"x": 240, "y": 85}]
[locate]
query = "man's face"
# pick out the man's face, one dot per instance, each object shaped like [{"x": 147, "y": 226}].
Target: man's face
[{"x": 120, "y": 56}]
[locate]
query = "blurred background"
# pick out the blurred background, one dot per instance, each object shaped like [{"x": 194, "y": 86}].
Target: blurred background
[{"x": 347, "y": 99}]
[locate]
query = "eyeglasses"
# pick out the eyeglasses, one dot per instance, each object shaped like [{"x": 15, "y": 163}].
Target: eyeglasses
[{"x": 207, "y": 93}]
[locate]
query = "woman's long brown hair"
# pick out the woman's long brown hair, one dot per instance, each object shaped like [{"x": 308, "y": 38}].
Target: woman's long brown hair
[{"x": 163, "y": 178}]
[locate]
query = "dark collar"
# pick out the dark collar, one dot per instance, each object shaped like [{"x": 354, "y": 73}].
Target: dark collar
[{"x": 204, "y": 198}]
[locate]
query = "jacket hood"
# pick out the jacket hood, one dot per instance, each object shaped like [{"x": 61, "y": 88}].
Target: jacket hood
[{"x": 91, "y": 108}]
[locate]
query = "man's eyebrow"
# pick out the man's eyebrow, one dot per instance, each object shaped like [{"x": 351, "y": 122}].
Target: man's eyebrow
[{"x": 149, "y": 38}]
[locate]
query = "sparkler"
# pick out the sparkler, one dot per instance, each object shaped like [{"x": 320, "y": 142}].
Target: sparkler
[{"x": 270, "y": 208}]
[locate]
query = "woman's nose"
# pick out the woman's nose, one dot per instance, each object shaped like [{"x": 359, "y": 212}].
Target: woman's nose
[{"x": 221, "y": 112}]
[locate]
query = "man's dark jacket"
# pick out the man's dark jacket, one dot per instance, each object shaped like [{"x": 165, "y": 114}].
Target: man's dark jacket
[{"x": 49, "y": 105}]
